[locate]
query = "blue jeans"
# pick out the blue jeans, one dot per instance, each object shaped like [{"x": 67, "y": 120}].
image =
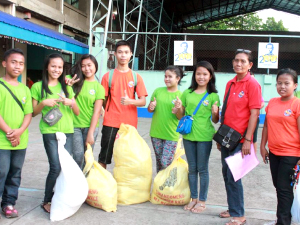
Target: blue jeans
[
  {"x": 51, "y": 147},
  {"x": 11, "y": 163},
  {"x": 197, "y": 154},
  {"x": 234, "y": 190},
  {"x": 79, "y": 146}
]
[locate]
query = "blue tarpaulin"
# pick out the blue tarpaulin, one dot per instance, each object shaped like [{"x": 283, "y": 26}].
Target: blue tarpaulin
[{"x": 21, "y": 29}]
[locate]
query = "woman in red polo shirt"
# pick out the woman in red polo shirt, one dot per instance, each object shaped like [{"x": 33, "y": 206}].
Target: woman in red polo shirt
[
  {"x": 281, "y": 131},
  {"x": 241, "y": 114}
]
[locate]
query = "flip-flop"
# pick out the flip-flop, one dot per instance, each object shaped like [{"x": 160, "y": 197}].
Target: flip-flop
[
  {"x": 189, "y": 206},
  {"x": 224, "y": 214},
  {"x": 236, "y": 222},
  {"x": 10, "y": 211},
  {"x": 198, "y": 208},
  {"x": 43, "y": 206}
]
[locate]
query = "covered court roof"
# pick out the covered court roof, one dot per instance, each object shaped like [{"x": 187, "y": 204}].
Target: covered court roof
[{"x": 187, "y": 13}]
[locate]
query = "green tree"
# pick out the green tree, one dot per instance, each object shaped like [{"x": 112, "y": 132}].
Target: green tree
[
  {"x": 249, "y": 21},
  {"x": 271, "y": 24}
]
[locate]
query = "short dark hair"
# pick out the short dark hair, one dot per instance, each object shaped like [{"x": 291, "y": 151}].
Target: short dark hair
[
  {"x": 177, "y": 70},
  {"x": 121, "y": 43},
  {"x": 245, "y": 51},
  {"x": 12, "y": 51},
  {"x": 211, "y": 86},
  {"x": 290, "y": 72}
]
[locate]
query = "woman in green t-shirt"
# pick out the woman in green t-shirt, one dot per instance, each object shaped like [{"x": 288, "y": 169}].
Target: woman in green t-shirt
[
  {"x": 47, "y": 94},
  {"x": 198, "y": 143},
  {"x": 163, "y": 127},
  {"x": 89, "y": 95}
]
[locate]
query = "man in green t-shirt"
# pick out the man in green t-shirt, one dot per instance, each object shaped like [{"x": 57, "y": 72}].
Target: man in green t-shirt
[{"x": 15, "y": 116}]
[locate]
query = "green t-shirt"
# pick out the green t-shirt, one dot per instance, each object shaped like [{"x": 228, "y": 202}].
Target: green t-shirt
[
  {"x": 90, "y": 92},
  {"x": 12, "y": 113},
  {"x": 164, "y": 122},
  {"x": 202, "y": 128},
  {"x": 65, "y": 124}
]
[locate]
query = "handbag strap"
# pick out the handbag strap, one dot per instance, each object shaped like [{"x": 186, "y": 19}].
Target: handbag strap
[
  {"x": 199, "y": 104},
  {"x": 12, "y": 94},
  {"x": 225, "y": 105},
  {"x": 224, "y": 109}
]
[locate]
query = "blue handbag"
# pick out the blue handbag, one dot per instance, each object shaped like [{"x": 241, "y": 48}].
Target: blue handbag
[{"x": 185, "y": 124}]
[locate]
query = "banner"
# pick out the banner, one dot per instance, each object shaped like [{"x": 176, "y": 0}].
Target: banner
[
  {"x": 183, "y": 53},
  {"x": 268, "y": 55}
]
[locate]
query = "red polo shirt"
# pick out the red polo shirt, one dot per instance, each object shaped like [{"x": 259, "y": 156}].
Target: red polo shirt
[{"x": 244, "y": 96}]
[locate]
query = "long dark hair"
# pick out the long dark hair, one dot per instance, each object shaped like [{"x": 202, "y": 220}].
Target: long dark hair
[
  {"x": 76, "y": 69},
  {"x": 45, "y": 76},
  {"x": 211, "y": 86}
]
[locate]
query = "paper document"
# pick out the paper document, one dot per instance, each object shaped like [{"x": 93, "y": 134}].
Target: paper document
[{"x": 239, "y": 166}]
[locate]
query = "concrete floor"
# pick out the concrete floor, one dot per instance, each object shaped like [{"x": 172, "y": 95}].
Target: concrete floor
[{"x": 260, "y": 196}]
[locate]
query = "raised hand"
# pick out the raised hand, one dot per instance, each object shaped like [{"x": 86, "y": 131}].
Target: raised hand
[
  {"x": 125, "y": 100},
  {"x": 64, "y": 100},
  {"x": 215, "y": 108},
  {"x": 152, "y": 104},
  {"x": 72, "y": 81},
  {"x": 177, "y": 105},
  {"x": 51, "y": 102}
]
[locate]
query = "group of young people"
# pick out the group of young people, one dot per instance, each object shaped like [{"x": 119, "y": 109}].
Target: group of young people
[
  {"x": 244, "y": 101},
  {"x": 80, "y": 98}
]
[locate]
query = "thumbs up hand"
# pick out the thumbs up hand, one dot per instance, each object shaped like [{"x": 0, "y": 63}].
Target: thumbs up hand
[
  {"x": 125, "y": 100},
  {"x": 152, "y": 104},
  {"x": 177, "y": 105},
  {"x": 215, "y": 108}
]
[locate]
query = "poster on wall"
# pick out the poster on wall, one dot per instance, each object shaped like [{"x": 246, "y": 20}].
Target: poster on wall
[
  {"x": 183, "y": 53},
  {"x": 268, "y": 55}
]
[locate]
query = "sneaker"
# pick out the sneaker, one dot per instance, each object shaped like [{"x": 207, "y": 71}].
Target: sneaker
[
  {"x": 9, "y": 211},
  {"x": 271, "y": 223}
]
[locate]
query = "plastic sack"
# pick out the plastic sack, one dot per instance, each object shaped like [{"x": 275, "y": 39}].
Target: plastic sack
[
  {"x": 295, "y": 211},
  {"x": 71, "y": 187},
  {"x": 171, "y": 185},
  {"x": 133, "y": 166},
  {"x": 102, "y": 185}
]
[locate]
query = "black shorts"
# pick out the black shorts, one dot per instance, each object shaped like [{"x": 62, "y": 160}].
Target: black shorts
[
  {"x": 255, "y": 131},
  {"x": 107, "y": 144}
]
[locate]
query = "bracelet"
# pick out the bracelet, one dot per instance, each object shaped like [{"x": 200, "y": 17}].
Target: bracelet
[{"x": 247, "y": 139}]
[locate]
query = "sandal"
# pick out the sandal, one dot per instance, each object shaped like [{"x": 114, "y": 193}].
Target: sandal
[
  {"x": 9, "y": 211},
  {"x": 46, "y": 206},
  {"x": 224, "y": 214},
  {"x": 236, "y": 222},
  {"x": 189, "y": 206},
  {"x": 198, "y": 208}
]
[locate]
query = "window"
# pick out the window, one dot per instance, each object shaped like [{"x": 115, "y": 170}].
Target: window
[{"x": 74, "y": 3}]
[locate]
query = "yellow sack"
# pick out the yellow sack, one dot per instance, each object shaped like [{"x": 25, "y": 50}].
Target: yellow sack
[
  {"x": 102, "y": 185},
  {"x": 133, "y": 166},
  {"x": 171, "y": 185}
]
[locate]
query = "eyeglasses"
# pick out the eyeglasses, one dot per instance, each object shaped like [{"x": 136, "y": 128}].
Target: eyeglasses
[{"x": 243, "y": 50}]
